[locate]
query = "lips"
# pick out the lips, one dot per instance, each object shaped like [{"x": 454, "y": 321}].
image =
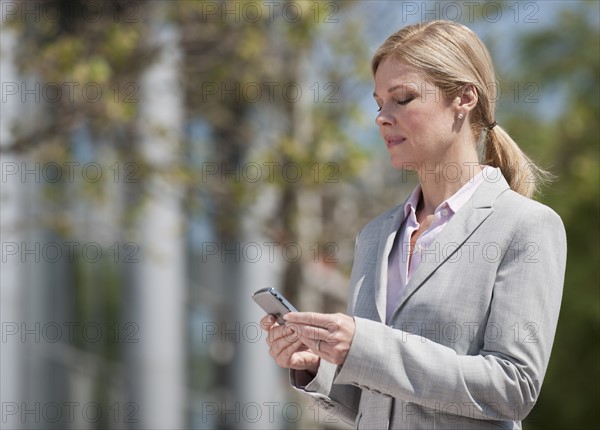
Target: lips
[{"x": 394, "y": 140}]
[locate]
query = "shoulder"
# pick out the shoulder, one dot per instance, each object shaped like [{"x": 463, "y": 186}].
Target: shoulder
[
  {"x": 524, "y": 217},
  {"x": 512, "y": 212},
  {"x": 525, "y": 210}
]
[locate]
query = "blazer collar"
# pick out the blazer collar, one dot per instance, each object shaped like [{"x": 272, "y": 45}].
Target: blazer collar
[{"x": 457, "y": 231}]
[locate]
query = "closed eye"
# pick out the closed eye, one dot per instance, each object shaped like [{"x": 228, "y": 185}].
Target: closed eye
[
  {"x": 405, "y": 101},
  {"x": 401, "y": 102}
]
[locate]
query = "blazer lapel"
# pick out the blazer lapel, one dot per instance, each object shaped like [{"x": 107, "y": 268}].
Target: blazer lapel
[
  {"x": 456, "y": 232},
  {"x": 389, "y": 230}
]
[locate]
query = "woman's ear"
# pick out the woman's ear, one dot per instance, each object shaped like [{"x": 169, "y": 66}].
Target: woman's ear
[{"x": 467, "y": 98}]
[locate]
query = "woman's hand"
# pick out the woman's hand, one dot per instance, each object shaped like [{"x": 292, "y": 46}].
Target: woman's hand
[
  {"x": 327, "y": 335},
  {"x": 286, "y": 347}
]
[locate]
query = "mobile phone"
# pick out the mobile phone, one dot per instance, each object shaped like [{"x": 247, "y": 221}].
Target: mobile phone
[{"x": 273, "y": 303}]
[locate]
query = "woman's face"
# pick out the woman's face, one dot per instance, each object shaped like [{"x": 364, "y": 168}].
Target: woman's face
[{"x": 415, "y": 121}]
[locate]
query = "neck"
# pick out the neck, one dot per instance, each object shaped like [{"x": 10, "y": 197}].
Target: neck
[{"x": 439, "y": 181}]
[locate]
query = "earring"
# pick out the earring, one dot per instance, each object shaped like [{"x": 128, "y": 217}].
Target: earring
[{"x": 460, "y": 116}]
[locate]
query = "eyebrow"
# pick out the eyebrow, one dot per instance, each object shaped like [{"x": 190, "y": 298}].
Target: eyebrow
[{"x": 394, "y": 88}]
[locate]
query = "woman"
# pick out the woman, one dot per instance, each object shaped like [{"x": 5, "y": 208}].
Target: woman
[{"x": 455, "y": 293}]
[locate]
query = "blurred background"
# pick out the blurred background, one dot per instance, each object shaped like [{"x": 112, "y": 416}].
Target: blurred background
[{"x": 162, "y": 160}]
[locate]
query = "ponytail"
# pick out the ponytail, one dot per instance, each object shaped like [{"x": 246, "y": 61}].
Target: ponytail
[{"x": 521, "y": 173}]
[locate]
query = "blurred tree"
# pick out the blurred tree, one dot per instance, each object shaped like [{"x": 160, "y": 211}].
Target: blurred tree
[
  {"x": 238, "y": 73},
  {"x": 67, "y": 45}
]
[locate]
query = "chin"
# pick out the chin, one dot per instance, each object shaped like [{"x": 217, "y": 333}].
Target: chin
[{"x": 403, "y": 164}]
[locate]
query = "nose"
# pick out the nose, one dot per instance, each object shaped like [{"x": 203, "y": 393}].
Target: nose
[{"x": 383, "y": 118}]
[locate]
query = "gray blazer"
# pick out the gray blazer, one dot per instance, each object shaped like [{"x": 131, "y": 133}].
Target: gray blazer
[{"x": 469, "y": 343}]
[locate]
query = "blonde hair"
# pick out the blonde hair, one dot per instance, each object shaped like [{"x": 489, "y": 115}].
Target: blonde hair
[{"x": 451, "y": 56}]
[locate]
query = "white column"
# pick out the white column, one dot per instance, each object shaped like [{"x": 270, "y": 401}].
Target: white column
[
  {"x": 258, "y": 378},
  {"x": 157, "y": 361}
]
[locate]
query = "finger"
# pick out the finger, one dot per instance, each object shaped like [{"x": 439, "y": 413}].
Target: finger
[
  {"x": 328, "y": 321},
  {"x": 316, "y": 346},
  {"x": 334, "y": 353},
  {"x": 311, "y": 318},
  {"x": 328, "y": 353},
  {"x": 310, "y": 332},
  {"x": 267, "y": 321},
  {"x": 296, "y": 356},
  {"x": 282, "y": 351},
  {"x": 322, "y": 349},
  {"x": 282, "y": 333}
]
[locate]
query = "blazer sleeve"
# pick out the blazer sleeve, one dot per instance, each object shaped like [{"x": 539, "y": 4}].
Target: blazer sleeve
[
  {"x": 501, "y": 382},
  {"x": 338, "y": 402}
]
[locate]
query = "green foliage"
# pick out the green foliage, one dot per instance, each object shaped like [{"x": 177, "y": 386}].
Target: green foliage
[{"x": 81, "y": 49}]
